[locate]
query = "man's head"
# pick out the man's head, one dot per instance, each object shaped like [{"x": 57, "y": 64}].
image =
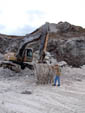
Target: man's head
[{"x": 56, "y": 65}]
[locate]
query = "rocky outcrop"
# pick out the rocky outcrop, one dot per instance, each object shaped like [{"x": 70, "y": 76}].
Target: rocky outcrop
[
  {"x": 9, "y": 43},
  {"x": 71, "y": 50},
  {"x": 66, "y": 42}
]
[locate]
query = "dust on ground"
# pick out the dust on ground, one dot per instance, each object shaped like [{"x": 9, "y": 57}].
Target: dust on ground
[{"x": 19, "y": 92}]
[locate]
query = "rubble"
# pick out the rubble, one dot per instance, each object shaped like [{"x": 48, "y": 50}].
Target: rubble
[{"x": 62, "y": 63}]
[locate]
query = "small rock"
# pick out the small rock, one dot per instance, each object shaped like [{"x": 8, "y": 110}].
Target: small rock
[{"x": 26, "y": 92}]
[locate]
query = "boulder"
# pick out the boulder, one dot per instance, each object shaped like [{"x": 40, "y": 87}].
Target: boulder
[
  {"x": 44, "y": 73},
  {"x": 71, "y": 50}
]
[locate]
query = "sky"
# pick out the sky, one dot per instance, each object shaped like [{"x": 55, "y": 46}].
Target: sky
[{"x": 20, "y": 17}]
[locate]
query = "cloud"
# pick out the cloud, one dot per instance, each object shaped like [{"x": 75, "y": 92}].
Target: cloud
[
  {"x": 36, "y": 17},
  {"x": 22, "y": 31},
  {"x": 35, "y": 12},
  {"x": 0, "y": 11},
  {"x": 18, "y": 16},
  {"x": 2, "y": 27}
]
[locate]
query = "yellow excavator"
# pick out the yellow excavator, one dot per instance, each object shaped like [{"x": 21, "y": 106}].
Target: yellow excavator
[{"x": 24, "y": 55}]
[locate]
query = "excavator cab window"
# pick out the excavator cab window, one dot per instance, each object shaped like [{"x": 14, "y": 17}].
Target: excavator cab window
[{"x": 28, "y": 55}]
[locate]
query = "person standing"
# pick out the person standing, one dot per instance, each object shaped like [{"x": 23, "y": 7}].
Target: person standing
[{"x": 57, "y": 77}]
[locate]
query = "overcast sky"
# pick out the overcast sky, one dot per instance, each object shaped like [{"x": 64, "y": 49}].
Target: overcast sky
[{"x": 19, "y": 17}]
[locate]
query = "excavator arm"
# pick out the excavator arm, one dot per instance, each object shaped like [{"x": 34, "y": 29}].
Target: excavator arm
[{"x": 41, "y": 34}]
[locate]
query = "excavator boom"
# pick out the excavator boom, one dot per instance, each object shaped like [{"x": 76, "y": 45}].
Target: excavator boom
[{"x": 40, "y": 34}]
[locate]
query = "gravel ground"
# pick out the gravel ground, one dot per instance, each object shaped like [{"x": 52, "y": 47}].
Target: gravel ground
[{"x": 19, "y": 92}]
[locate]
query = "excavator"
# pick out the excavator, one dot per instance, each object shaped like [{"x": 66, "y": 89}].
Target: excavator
[{"x": 24, "y": 56}]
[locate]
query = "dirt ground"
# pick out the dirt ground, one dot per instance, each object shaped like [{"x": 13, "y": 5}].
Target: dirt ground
[{"x": 19, "y": 92}]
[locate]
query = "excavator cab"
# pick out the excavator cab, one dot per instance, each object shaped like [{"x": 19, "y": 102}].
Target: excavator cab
[{"x": 28, "y": 55}]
